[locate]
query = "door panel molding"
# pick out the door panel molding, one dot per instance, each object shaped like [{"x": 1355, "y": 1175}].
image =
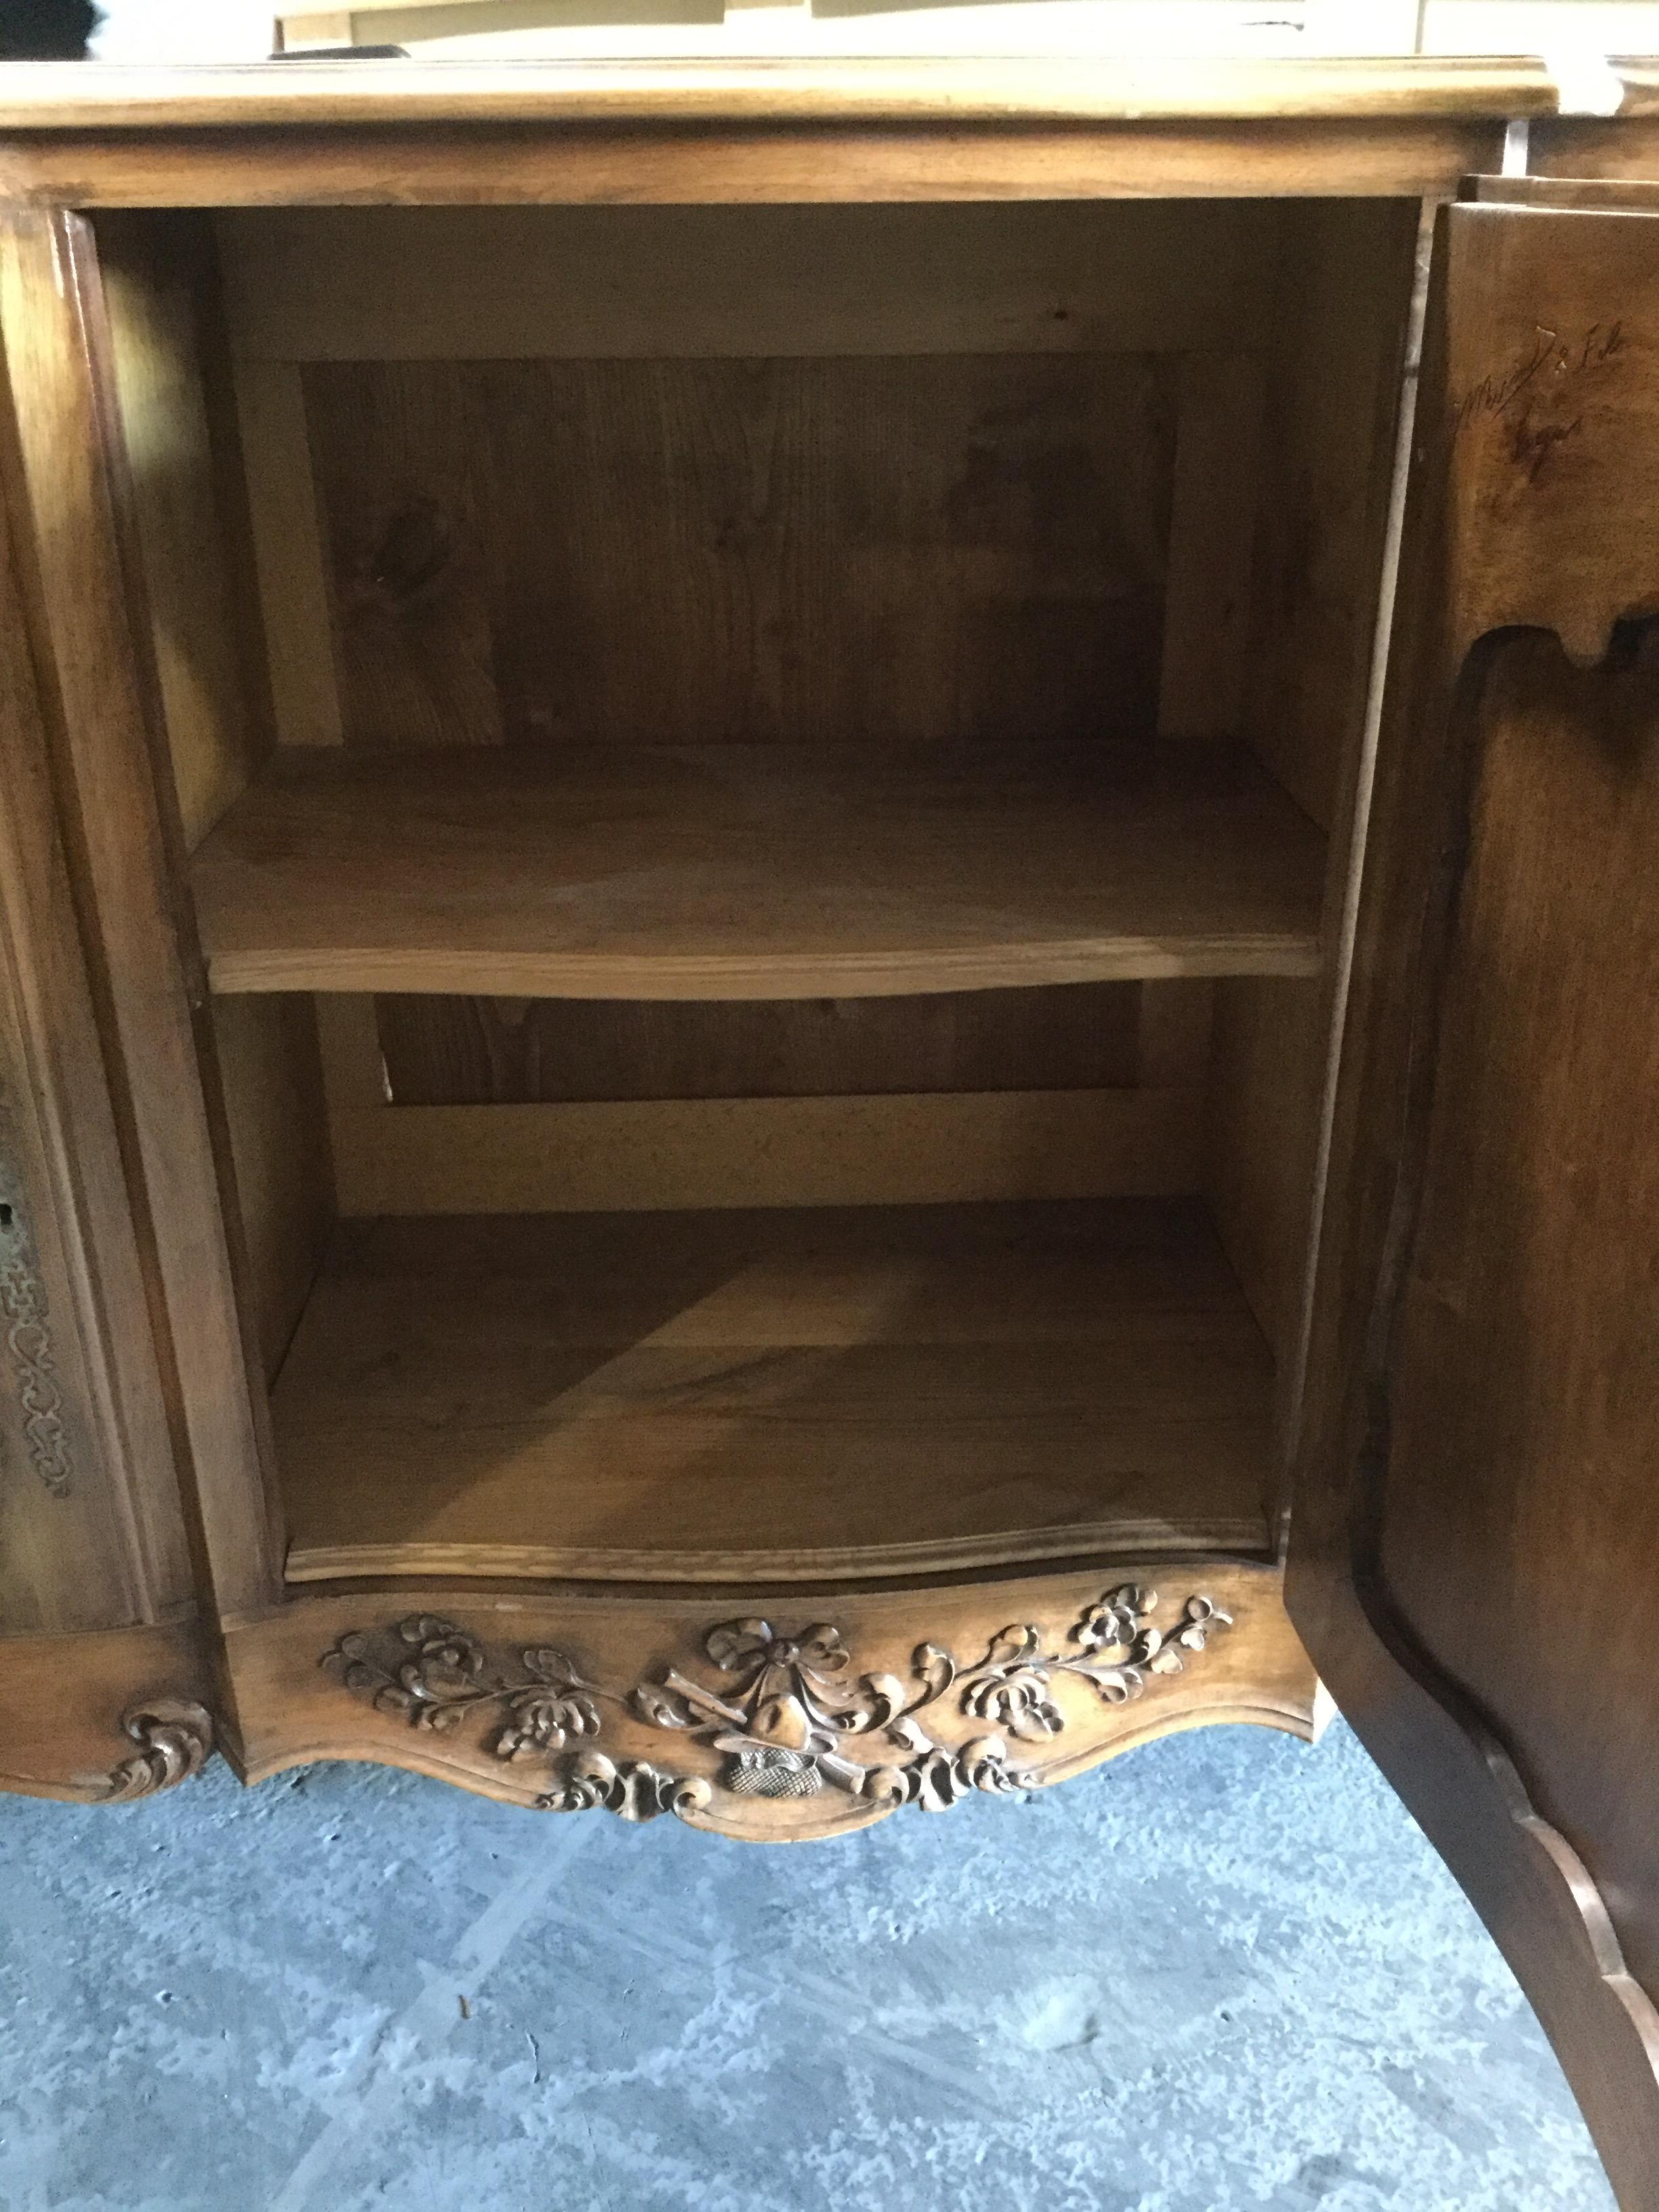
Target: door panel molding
[
  {"x": 92, "y": 1535},
  {"x": 68, "y": 484},
  {"x": 1535, "y": 474}
]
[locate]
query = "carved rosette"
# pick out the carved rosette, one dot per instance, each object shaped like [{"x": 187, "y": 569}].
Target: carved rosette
[
  {"x": 174, "y": 1737},
  {"x": 788, "y": 1716},
  {"x": 26, "y": 1332}
]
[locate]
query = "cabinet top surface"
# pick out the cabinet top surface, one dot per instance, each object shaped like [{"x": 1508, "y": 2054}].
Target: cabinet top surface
[{"x": 51, "y": 96}]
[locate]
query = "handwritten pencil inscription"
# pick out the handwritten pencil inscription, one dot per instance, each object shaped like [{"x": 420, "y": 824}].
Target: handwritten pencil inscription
[{"x": 1533, "y": 385}]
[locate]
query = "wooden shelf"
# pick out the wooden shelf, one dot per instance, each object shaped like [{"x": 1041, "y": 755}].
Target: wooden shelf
[
  {"x": 774, "y": 1396},
  {"x": 755, "y": 872}
]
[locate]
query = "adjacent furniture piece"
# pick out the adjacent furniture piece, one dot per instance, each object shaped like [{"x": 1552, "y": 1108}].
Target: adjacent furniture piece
[{"x": 829, "y": 948}]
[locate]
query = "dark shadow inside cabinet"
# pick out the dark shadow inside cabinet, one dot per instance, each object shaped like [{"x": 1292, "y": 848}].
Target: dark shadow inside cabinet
[{"x": 769, "y": 794}]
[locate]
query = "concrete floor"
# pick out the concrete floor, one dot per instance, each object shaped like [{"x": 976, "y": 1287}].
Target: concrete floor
[{"x": 1224, "y": 1972}]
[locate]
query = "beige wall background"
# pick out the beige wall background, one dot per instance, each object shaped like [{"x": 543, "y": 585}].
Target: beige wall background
[
  {"x": 476, "y": 29},
  {"x": 243, "y": 30}
]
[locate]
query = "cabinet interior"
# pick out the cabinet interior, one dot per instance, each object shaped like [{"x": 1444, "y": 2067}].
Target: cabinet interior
[{"x": 769, "y": 796}]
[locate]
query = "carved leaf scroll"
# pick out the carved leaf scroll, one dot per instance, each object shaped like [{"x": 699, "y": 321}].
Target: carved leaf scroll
[
  {"x": 789, "y": 1715},
  {"x": 174, "y": 1736}
]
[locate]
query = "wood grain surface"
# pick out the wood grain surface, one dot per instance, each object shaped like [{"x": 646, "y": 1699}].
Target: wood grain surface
[
  {"x": 1067, "y": 1037},
  {"x": 1525, "y": 1373},
  {"x": 90, "y": 639},
  {"x": 274, "y": 1113},
  {"x": 645, "y": 164},
  {"x": 61, "y": 1732},
  {"x": 797, "y": 132},
  {"x": 779, "y": 1395},
  {"x": 921, "y": 89},
  {"x": 917, "y": 1148},
  {"x": 1480, "y": 1413},
  {"x": 770, "y": 283},
  {"x": 91, "y": 1531},
  {"x": 834, "y": 550},
  {"x": 733, "y": 546},
  {"x": 185, "y": 463},
  {"x": 754, "y": 872}
]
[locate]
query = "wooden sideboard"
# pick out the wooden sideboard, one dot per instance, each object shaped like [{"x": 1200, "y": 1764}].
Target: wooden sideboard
[{"x": 828, "y": 944}]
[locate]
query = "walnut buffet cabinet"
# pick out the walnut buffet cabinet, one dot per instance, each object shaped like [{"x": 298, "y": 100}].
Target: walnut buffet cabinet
[{"x": 829, "y": 944}]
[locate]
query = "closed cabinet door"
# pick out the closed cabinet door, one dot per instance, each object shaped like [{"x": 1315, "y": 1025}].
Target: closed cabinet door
[{"x": 1474, "y": 1557}]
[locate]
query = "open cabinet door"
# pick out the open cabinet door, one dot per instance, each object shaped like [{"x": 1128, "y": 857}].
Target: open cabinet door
[{"x": 1475, "y": 1558}]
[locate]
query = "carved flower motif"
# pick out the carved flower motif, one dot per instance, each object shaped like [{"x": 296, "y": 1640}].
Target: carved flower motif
[
  {"x": 1011, "y": 1688},
  {"x": 1199, "y": 1622},
  {"x": 1018, "y": 1701},
  {"x": 447, "y": 1666},
  {"x": 1118, "y": 1622},
  {"x": 544, "y": 1718},
  {"x": 433, "y": 1688},
  {"x": 1122, "y": 1648},
  {"x": 447, "y": 1658}
]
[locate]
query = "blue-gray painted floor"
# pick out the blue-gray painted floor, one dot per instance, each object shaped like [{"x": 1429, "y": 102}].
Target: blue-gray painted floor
[{"x": 1224, "y": 1971}]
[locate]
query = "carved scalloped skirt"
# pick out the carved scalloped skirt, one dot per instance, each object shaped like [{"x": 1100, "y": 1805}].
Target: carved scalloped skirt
[{"x": 780, "y": 1717}]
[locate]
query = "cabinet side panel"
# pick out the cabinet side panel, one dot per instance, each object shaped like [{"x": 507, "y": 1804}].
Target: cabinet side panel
[
  {"x": 1345, "y": 292},
  {"x": 90, "y": 1529},
  {"x": 271, "y": 1077},
  {"x": 189, "y": 477},
  {"x": 1265, "y": 1068},
  {"x": 90, "y": 630},
  {"x": 1344, "y": 308},
  {"x": 172, "y": 377}
]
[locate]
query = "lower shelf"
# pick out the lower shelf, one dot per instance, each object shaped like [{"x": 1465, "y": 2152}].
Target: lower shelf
[{"x": 774, "y": 1397}]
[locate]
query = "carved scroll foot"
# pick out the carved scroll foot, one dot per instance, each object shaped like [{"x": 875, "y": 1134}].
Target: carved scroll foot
[{"x": 174, "y": 1736}]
